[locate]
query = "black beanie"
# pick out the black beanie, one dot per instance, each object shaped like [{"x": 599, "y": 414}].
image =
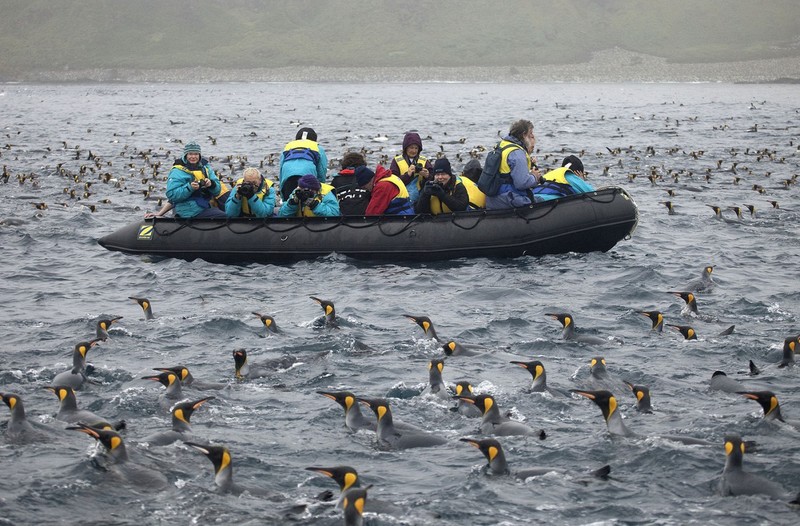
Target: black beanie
[
  {"x": 575, "y": 164},
  {"x": 306, "y": 133}
]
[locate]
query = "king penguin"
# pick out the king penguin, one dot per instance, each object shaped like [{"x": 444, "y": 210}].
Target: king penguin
[
  {"x": 539, "y": 378},
  {"x": 354, "y": 501},
  {"x": 656, "y": 318},
  {"x": 181, "y": 425},
  {"x": 464, "y": 389},
  {"x": 188, "y": 380},
  {"x": 103, "y": 325},
  {"x": 330, "y": 311},
  {"x": 68, "y": 410},
  {"x": 453, "y": 348},
  {"x": 76, "y": 376},
  {"x": 425, "y": 324},
  {"x": 394, "y": 437},
  {"x": 569, "y": 331},
  {"x": 220, "y": 458},
  {"x": 347, "y": 477},
  {"x": 772, "y": 408},
  {"x": 244, "y": 369},
  {"x": 690, "y": 299},
  {"x": 354, "y": 419},
  {"x": 19, "y": 429},
  {"x": 642, "y": 395},
  {"x": 144, "y": 303},
  {"x": 436, "y": 386},
  {"x": 789, "y": 346},
  {"x": 174, "y": 392},
  {"x": 493, "y": 423},
  {"x": 736, "y": 481},
  {"x": 268, "y": 322}
]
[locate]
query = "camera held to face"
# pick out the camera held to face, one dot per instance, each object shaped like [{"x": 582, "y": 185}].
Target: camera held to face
[
  {"x": 247, "y": 190},
  {"x": 304, "y": 194},
  {"x": 418, "y": 167}
]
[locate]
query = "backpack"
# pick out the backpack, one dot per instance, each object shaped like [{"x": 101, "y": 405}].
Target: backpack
[{"x": 489, "y": 182}]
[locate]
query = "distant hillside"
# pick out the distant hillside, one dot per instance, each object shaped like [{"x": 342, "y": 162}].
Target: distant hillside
[{"x": 47, "y": 35}]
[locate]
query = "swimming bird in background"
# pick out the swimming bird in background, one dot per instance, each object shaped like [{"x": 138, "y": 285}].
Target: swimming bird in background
[
  {"x": 144, "y": 303},
  {"x": 703, "y": 283},
  {"x": 772, "y": 408},
  {"x": 539, "y": 378},
  {"x": 452, "y": 348},
  {"x": 717, "y": 211},
  {"x": 68, "y": 410},
  {"x": 181, "y": 425},
  {"x": 243, "y": 368},
  {"x": 19, "y": 428},
  {"x": 268, "y": 321},
  {"x": 736, "y": 481},
  {"x": 103, "y": 325},
  {"x": 722, "y": 382},
  {"x": 789, "y": 346},
  {"x": 436, "y": 386},
  {"x": 347, "y": 477},
  {"x": 425, "y": 324},
  {"x": 220, "y": 458},
  {"x": 354, "y": 419},
  {"x": 497, "y": 464},
  {"x": 174, "y": 392},
  {"x": 188, "y": 380},
  {"x": 464, "y": 388},
  {"x": 330, "y": 311},
  {"x": 752, "y": 209},
  {"x": 670, "y": 207},
  {"x": 642, "y": 395},
  {"x": 354, "y": 501},
  {"x": 569, "y": 331},
  {"x": 76, "y": 376},
  {"x": 656, "y": 318}
]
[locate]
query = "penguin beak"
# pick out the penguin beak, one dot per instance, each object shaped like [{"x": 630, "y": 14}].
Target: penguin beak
[{"x": 588, "y": 395}]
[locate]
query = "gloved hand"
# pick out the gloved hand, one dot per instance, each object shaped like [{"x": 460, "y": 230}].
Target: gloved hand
[
  {"x": 437, "y": 190},
  {"x": 294, "y": 199},
  {"x": 311, "y": 203},
  {"x": 428, "y": 188}
]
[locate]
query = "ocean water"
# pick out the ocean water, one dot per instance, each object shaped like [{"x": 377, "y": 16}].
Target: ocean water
[{"x": 710, "y": 144}]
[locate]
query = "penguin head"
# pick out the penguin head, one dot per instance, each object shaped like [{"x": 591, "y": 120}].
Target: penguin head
[
  {"x": 641, "y": 393},
  {"x": 707, "y": 271},
  {"x": 536, "y": 368},
  {"x": 353, "y": 502},
  {"x": 688, "y": 332},
  {"x": 604, "y": 400},
  {"x": 11, "y": 400},
  {"x": 379, "y": 406},
  {"x": 563, "y": 317},
  {"x": 82, "y": 348},
  {"x": 110, "y": 439},
  {"x": 166, "y": 378},
  {"x": 219, "y": 456},
  {"x": 63, "y": 392},
  {"x": 183, "y": 410},
  {"x": 239, "y": 360},
  {"x": 484, "y": 402},
  {"x": 182, "y": 372},
  {"x": 790, "y": 344},
  {"x": 346, "y": 399},
  {"x": 655, "y": 316},
  {"x": 766, "y": 399},
  {"x": 463, "y": 388},
  {"x": 490, "y": 447},
  {"x": 105, "y": 323},
  {"x": 437, "y": 364},
  {"x": 597, "y": 365},
  {"x": 424, "y": 322},
  {"x": 327, "y": 306},
  {"x": 268, "y": 321},
  {"x": 345, "y": 476},
  {"x": 734, "y": 450}
]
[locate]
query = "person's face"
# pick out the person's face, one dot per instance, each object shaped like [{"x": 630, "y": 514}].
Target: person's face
[
  {"x": 193, "y": 157},
  {"x": 253, "y": 179},
  {"x": 412, "y": 150},
  {"x": 530, "y": 140},
  {"x": 442, "y": 178}
]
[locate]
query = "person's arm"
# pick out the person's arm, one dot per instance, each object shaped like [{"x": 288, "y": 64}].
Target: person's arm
[
  {"x": 423, "y": 205},
  {"x": 328, "y": 206},
  {"x": 578, "y": 184},
  {"x": 382, "y": 195},
  {"x": 322, "y": 165},
  {"x": 164, "y": 209},
  {"x": 521, "y": 177},
  {"x": 179, "y": 186},
  {"x": 290, "y": 206},
  {"x": 459, "y": 200},
  {"x": 233, "y": 205}
]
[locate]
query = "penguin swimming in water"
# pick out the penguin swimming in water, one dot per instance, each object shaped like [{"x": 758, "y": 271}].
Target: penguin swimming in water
[
  {"x": 436, "y": 386},
  {"x": 119, "y": 462},
  {"x": 354, "y": 419},
  {"x": 642, "y": 395},
  {"x": 103, "y": 325},
  {"x": 425, "y": 324},
  {"x": 539, "y": 378},
  {"x": 330, "y": 311},
  {"x": 722, "y": 382},
  {"x": 687, "y": 331},
  {"x": 220, "y": 458},
  {"x": 600, "y": 378},
  {"x": 569, "y": 329},
  {"x": 181, "y": 426},
  {"x": 656, "y": 318},
  {"x": 268, "y": 322},
  {"x": 704, "y": 283},
  {"x": 607, "y": 403},
  {"x": 19, "y": 428},
  {"x": 497, "y": 464},
  {"x": 464, "y": 388},
  {"x": 772, "y": 408},
  {"x": 354, "y": 500},
  {"x": 347, "y": 477},
  {"x": 144, "y": 303},
  {"x": 736, "y": 481},
  {"x": 188, "y": 380},
  {"x": 243, "y": 368},
  {"x": 452, "y": 348},
  {"x": 68, "y": 410},
  {"x": 76, "y": 376},
  {"x": 493, "y": 423},
  {"x": 395, "y": 437},
  {"x": 174, "y": 392},
  {"x": 789, "y": 346},
  {"x": 690, "y": 299}
]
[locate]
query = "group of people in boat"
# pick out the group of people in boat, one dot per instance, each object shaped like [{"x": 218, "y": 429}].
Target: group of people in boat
[{"x": 412, "y": 184}]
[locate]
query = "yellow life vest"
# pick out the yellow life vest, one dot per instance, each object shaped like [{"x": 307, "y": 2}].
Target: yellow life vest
[
  {"x": 402, "y": 190},
  {"x": 505, "y": 169},
  {"x": 199, "y": 175},
  {"x": 307, "y": 212},
  {"x": 262, "y": 192},
  {"x": 403, "y": 166},
  {"x": 301, "y": 149},
  {"x": 557, "y": 176},
  {"x": 477, "y": 199}
]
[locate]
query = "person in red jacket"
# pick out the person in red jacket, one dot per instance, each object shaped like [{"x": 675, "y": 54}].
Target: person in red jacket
[{"x": 389, "y": 195}]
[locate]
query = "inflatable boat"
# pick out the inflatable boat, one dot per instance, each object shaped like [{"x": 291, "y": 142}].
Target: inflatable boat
[{"x": 594, "y": 221}]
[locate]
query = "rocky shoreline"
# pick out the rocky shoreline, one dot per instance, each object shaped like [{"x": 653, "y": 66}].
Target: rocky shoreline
[{"x": 610, "y": 66}]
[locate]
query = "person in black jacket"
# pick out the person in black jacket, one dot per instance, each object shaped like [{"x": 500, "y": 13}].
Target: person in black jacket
[
  {"x": 444, "y": 194},
  {"x": 352, "y": 184}
]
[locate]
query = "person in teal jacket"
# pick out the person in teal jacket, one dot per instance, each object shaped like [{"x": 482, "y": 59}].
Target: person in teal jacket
[
  {"x": 567, "y": 180},
  {"x": 192, "y": 185},
  {"x": 302, "y": 156},
  {"x": 252, "y": 196},
  {"x": 311, "y": 199}
]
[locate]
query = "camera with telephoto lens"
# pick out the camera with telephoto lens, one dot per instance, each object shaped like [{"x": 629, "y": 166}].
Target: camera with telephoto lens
[
  {"x": 418, "y": 167},
  {"x": 247, "y": 190},
  {"x": 304, "y": 193}
]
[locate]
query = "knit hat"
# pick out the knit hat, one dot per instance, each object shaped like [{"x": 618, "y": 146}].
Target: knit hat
[
  {"x": 309, "y": 182},
  {"x": 473, "y": 170},
  {"x": 306, "y": 133},
  {"x": 442, "y": 166},
  {"x": 411, "y": 138},
  {"x": 575, "y": 164},
  {"x": 363, "y": 175},
  {"x": 191, "y": 147}
]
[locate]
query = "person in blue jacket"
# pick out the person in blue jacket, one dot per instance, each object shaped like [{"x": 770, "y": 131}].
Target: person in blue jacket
[
  {"x": 302, "y": 156},
  {"x": 518, "y": 169},
  {"x": 252, "y": 196},
  {"x": 311, "y": 198},
  {"x": 192, "y": 185},
  {"x": 567, "y": 180}
]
